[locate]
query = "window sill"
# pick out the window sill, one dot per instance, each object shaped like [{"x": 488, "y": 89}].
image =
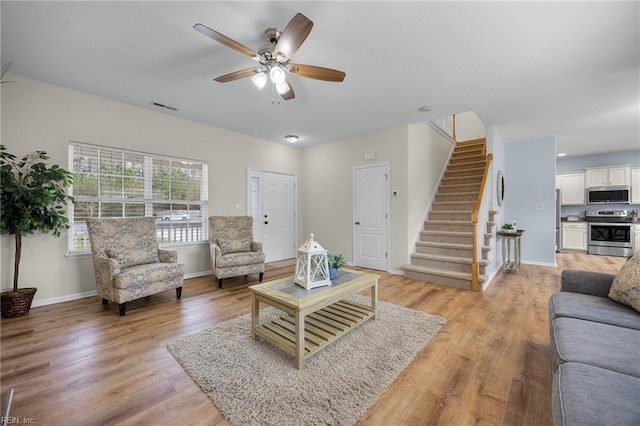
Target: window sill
[{"x": 168, "y": 246}]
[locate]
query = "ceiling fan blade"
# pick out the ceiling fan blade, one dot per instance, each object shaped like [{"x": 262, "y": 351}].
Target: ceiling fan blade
[
  {"x": 289, "y": 94},
  {"x": 223, "y": 39},
  {"x": 294, "y": 34},
  {"x": 236, "y": 75},
  {"x": 318, "y": 73}
]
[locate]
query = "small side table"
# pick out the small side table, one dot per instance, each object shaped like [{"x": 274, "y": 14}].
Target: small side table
[{"x": 511, "y": 240}]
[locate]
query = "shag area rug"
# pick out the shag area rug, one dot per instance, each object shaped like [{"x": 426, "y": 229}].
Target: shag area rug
[{"x": 255, "y": 383}]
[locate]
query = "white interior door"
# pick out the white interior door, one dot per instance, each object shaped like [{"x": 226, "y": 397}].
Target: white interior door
[
  {"x": 371, "y": 217},
  {"x": 278, "y": 216}
]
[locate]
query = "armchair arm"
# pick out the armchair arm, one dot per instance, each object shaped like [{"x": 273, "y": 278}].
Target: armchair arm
[
  {"x": 256, "y": 246},
  {"x": 587, "y": 282},
  {"x": 168, "y": 256},
  {"x": 216, "y": 252},
  {"x": 105, "y": 269}
]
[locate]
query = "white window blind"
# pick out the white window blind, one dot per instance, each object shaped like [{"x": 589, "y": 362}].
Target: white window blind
[{"x": 111, "y": 182}]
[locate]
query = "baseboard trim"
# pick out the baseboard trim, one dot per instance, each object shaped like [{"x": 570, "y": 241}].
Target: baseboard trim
[
  {"x": 531, "y": 262},
  {"x": 76, "y": 296},
  {"x": 396, "y": 271},
  {"x": 486, "y": 284},
  {"x": 65, "y": 298},
  {"x": 197, "y": 274}
]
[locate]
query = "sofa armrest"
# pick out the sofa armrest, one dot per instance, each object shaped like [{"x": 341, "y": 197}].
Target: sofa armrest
[
  {"x": 168, "y": 256},
  {"x": 586, "y": 282},
  {"x": 256, "y": 246}
]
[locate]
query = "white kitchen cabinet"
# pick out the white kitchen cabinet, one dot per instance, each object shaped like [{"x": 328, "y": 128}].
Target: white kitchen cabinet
[
  {"x": 636, "y": 240},
  {"x": 635, "y": 188},
  {"x": 573, "y": 236},
  {"x": 572, "y": 189},
  {"x": 608, "y": 176}
]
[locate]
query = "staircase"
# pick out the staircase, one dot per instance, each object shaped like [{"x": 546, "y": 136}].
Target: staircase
[{"x": 444, "y": 253}]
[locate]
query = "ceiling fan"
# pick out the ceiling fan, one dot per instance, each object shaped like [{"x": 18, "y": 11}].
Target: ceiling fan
[{"x": 274, "y": 57}]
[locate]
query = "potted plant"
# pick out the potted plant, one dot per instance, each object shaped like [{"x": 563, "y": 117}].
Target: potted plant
[
  {"x": 335, "y": 262},
  {"x": 508, "y": 227},
  {"x": 32, "y": 199}
]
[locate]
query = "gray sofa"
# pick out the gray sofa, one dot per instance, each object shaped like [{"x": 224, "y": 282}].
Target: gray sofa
[{"x": 595, "y": 350}]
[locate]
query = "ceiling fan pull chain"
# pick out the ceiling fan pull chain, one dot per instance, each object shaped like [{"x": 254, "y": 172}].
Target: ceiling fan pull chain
[{"x": 275, "y": 96}]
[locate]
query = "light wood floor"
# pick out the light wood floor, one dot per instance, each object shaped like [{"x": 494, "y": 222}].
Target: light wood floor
[{"x": 79, "y": 363}]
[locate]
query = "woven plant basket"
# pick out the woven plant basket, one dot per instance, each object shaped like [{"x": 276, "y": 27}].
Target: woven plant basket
[{"x": 17, "y": 303}]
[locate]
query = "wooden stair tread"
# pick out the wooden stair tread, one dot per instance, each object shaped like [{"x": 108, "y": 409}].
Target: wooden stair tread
[
  {"x": 452, "y": 259},
  {"x": 450, "y": 245},
  {"x": 452, "y": 233},
  {"x": 470, "y": 142},
  {"x": 443, "y": 273},
  {"x": 448, "y": 222},
  {"x": 444, "y": 245}
]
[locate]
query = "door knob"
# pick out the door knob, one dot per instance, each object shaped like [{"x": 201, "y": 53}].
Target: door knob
[
  {"x": 266, "y": 223},
  {"x": 357, "y": 223}
]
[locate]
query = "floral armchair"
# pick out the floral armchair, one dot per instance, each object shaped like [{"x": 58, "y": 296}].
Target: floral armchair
[
  {"x": 233, "y": 251},
  {"x": 128, "y": 263}
]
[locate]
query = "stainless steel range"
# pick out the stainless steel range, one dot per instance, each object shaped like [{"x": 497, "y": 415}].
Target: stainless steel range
[{"x": 610, "y": 232}]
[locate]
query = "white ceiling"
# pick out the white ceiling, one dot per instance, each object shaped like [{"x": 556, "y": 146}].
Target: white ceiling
[{"x": 569, "y": 69}]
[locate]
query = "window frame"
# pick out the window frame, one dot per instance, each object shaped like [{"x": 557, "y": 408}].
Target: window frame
[{"x": 190, "y": 231}]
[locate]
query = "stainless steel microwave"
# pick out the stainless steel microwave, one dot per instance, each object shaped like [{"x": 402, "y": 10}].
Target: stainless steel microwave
[{"x": 608, "y": 194}]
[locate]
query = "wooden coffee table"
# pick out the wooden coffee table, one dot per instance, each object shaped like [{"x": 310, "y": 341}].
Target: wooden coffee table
[{"x": 315, "y": 317}]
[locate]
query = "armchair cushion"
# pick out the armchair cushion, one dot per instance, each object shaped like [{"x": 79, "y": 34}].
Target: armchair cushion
[
  {"x": 127, "y": 257},
  {"x": 148, "y": 273},
  {"x": 239, "y": 259},
  {"x": 234, "y": 245}
]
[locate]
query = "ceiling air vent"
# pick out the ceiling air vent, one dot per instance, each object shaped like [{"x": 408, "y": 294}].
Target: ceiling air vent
[{"x": 158, "y": 104}]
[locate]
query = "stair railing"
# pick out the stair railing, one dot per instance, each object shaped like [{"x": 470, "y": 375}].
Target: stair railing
[{"x": 479, "y": 215}]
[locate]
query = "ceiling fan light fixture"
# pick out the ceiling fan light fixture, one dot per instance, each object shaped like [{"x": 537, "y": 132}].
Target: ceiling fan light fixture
[
  {"x": 291, "y": 138},
  {"x": 259, "y": 79},
  {"x": 282, "y": 88},
  {"x": 277, "y": 75}
]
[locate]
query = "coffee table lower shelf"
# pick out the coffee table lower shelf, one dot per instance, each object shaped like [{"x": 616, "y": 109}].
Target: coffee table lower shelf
[{"x": 320, "y": 328}]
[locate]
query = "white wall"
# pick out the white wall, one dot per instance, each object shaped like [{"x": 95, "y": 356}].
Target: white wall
[
  {"x": 40, "y": 116},
  {"x": 416, "y": 155},
  {"x": 428, "y": 156},
  {"x": 328, "y": 189},
  {"x": 495, "y": 146},
  {"x": 530, "y": 196},
  {"x": 469, "y": 127}
]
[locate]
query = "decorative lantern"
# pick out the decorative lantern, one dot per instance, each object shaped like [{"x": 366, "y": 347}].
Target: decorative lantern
[{"x": 312, "y": 268}]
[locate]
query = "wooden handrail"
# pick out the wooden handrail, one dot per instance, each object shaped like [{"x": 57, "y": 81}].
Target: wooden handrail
[
  {"x": 475, "y": 266},
  {"x": 453, "y": 125}
]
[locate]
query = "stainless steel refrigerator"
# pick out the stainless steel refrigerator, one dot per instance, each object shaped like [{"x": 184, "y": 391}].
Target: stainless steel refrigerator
[{"x": 558, "y": 216}]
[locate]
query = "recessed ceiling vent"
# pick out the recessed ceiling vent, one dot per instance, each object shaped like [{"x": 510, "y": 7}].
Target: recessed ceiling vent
[{"x": 158, "y": 104}]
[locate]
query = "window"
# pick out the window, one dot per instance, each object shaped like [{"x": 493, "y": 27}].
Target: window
[{"x": 111, "y": 182}]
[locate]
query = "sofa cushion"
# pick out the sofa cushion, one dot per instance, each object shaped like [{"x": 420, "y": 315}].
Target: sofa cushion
[
  {"x": 592, "y": 308},
  {"x": 601, "y": 345},
  {"x": 127, "y": 257},
  {"x": 626, "y": 286},
  {"x": 234, "y": 246},
  {"x": 587, "y": 395},
  {"x": 149, "y": 273},
  {"x": 239, "y": 259}
]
